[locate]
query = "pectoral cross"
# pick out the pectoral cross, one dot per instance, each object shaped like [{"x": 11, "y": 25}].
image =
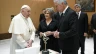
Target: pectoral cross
[{"x": 30, "y": 31}]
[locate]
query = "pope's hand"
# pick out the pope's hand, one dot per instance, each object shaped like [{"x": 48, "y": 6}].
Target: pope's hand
[
  {"x": 30, "y": 43},
  {"x": 27, "y": 46}
]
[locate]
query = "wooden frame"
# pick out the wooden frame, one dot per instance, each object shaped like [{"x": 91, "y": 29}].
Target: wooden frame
[{"x": 87, "y": 5}]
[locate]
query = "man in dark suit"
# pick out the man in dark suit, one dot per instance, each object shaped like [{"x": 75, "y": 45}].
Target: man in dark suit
[
  {"x": 42, "y": 16},
  {"x": 67, "y": 29},
  {"x": 93, "y": 26},
  {"x": 82, "y": 26}
]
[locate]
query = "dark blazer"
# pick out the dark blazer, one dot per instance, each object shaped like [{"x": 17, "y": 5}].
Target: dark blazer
[
  {"x": 42, "y": 17},
  {"x": 52, "y": 43},
  {"x": 69, "y": 39},
  {"x": 93, "y": 21},
  {"x": 82, "y": 25},
  {"x": 93, "y": 26}
]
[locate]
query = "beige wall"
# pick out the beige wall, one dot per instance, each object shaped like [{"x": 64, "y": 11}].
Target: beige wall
[
  {"x": 12, "y": 7},
  {"x": 0, "y": 24},
  {"x": 0, "y": 19}
]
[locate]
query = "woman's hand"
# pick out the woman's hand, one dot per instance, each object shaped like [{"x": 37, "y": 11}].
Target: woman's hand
[{"x": 48, "y": 33}]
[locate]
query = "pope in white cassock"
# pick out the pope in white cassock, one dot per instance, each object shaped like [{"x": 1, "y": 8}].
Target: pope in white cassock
[{"x": 22, "y": 29}]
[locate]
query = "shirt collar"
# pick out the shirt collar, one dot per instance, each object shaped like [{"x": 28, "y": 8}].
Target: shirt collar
[
  {"x": 65, "y": 9},
  {"x": 60, "y": 13},
  {"x": 79, "y": 12},
  {"x": 23, "y": 16}
]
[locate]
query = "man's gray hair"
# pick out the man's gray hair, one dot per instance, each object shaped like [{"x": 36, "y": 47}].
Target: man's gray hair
[
  {"x": 78, "y": 5},
  {"x": 25, "y": 6},
  {"x": 60, "y": 1}
]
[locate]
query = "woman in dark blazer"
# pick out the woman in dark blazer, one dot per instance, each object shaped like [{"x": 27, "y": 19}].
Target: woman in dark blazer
[{"x": 48, "y": 26}]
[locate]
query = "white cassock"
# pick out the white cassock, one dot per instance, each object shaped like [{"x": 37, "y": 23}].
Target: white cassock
[{"x": 22, "y": 30}]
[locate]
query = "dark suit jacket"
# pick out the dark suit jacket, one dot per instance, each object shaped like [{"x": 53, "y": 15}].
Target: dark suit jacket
[
  {"x": 82, "y": 25},
  {"x": 42, "y": 17},
  {"x": 69, "y": 39},
  {"x": 57, "y": 16},
  {"x": 93, "y": 21}
]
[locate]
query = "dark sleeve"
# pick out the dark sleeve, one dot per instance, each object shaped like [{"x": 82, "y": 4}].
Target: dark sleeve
[
  {"x": 57, "y": 24},
  {"x": 39, "y": 29},
  {"x": 92, "y": 27},
  {"x": 72, "y": 27},
  {"x": 86, "y": 23},
  {"x": 54, "y": 16},
  {"x": 40, "y": 17}
]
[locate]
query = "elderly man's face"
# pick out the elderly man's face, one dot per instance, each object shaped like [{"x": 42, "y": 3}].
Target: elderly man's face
[
  {"x": 26, "y": 12},
  {"x": 77, "y": 9},
  {"x": 59, "y": 7}
]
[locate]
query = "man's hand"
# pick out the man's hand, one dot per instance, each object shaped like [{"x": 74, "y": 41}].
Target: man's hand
[
  {"x": 56, "y": 34},
  {"x": 85, "y": 34},
  {"x": 30, "y": 43},
  {"x": 27, "y": 46},
  {"x": 94, "y": 31}
]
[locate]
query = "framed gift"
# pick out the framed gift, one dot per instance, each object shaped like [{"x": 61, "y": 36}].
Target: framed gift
[{"x": 87, "y": 5}]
